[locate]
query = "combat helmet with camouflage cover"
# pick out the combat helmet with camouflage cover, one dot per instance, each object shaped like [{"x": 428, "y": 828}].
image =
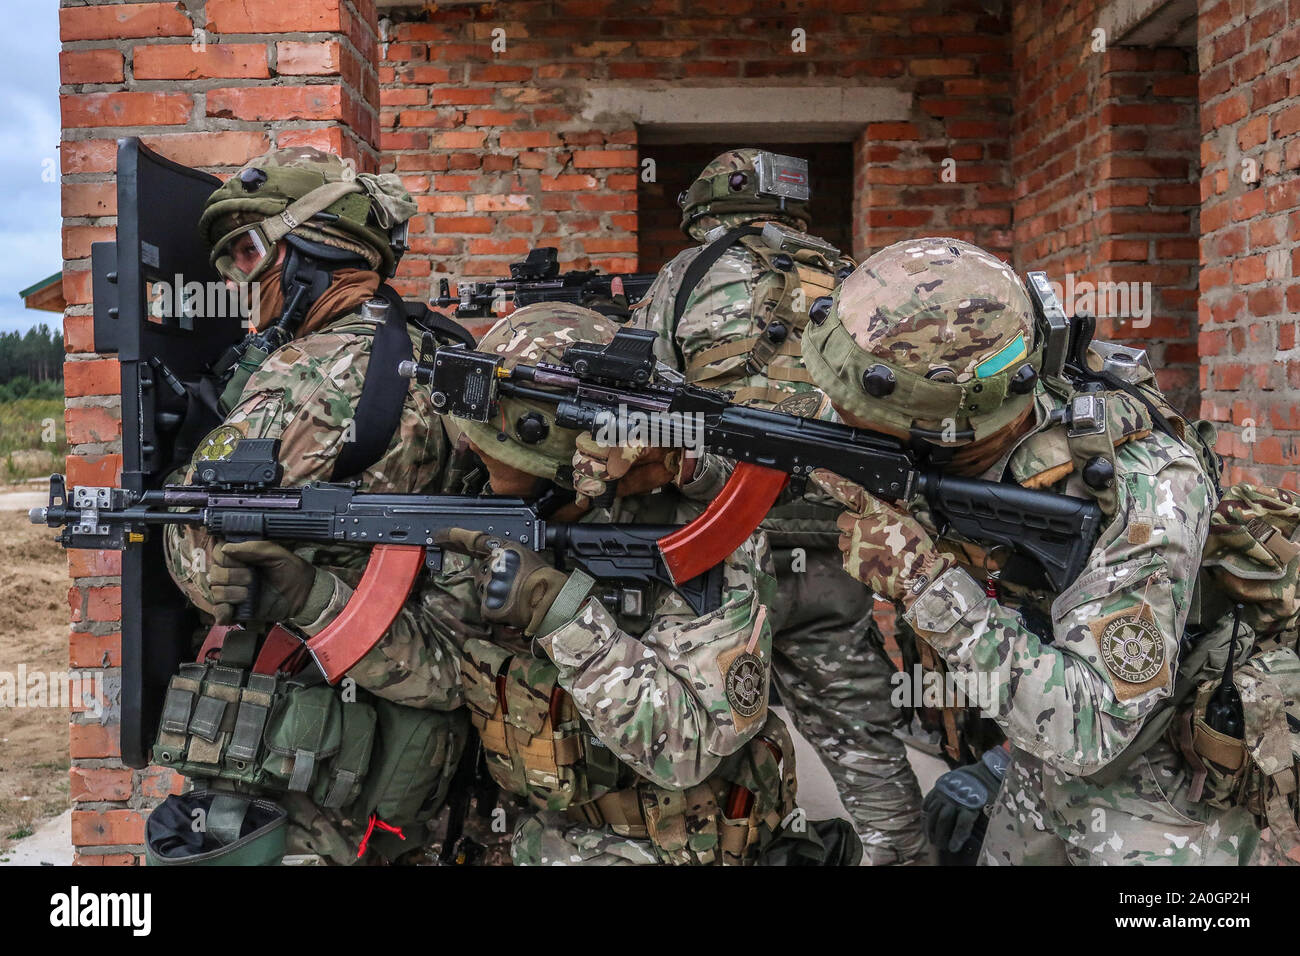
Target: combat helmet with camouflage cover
[
  {"x": 744, "y": 184},
  {"x": 929, "y": 338},
  {"x": 524, "y": 434},
  {"x": 314, "y": 195}
]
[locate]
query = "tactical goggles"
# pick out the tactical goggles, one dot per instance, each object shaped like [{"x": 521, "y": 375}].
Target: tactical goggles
[
  {"x": 272, "y": 229},
  {"x": 223, "y": 253}
]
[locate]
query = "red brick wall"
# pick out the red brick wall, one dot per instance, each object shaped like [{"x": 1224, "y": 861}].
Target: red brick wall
[
  {"x": 958, "y": 64},
  {"x": 493, "y": 144},
  {"x": 659, "y": 218},
  {"x": 208, "y": 84},
  {"x": 1104, "y": 162},
  {"x": 1250, "y": 221},
  {"x": 1062, "y": 159}
]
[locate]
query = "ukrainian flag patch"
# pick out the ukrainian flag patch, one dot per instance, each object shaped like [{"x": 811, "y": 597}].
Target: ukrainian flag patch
[{"x": 1005, "y": 357}]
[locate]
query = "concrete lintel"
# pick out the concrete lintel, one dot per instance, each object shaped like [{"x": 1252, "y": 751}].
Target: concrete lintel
[
  {"x": 1149, "y": 23},
  {"x": 794, "y": 112}
]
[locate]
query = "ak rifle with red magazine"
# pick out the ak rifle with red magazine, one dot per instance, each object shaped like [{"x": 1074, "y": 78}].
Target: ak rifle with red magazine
[
  {"x": 239, "y": 498},
  {"x": 601, "y": 389}
]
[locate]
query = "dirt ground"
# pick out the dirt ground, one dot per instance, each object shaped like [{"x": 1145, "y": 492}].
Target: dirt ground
[{"x": 33, "y": 631}]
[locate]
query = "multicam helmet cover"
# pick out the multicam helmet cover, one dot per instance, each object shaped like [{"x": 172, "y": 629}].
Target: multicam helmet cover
[
  {"x": 524, "y": 434},
  {"x": 312, "y": 194},
  {"x": 727, "y": 192},
  {"x": 932, "y": 338}
]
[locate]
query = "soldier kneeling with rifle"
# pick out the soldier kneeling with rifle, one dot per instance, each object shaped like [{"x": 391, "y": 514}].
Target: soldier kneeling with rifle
[{"x": 637, "y": 727}]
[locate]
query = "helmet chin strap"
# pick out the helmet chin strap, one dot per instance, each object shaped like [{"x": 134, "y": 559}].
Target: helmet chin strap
[
  {"x": 308, "y": 271},
  {"x": 304, "y": 279}
]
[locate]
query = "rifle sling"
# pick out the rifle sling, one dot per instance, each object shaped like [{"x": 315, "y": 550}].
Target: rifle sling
[
  {"x": 379, "y": 410},
  {"x": 702, "y": 263},
  {"x": 445, "y": 328}
]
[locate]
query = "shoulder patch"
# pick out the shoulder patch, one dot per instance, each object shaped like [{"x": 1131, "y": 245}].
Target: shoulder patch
[
  {"x": 746, "y": 684},
  {"x": 745, "y": 676},
  {"x": 219, "y": 444},
  {"x": 804, "y": 404},
  {"x": 1133, "y": 650}
]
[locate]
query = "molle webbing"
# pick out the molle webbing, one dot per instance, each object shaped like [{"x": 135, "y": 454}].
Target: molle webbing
[
  {"x": 698, "y": 370},
  {"x": 803, "y": 271},
  {"x": 536, "y": 744}
]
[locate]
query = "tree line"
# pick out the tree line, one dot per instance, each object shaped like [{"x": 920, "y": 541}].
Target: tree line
[{"x": 31, "y": 363}]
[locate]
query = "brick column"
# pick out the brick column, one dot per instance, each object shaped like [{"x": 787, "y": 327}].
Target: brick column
[
  {"x": 1250, "y": 217},
  {"x": 945, "y": 171},
  {"x": 208, "y": 83},
  {"x": 1104, "y": 153}
]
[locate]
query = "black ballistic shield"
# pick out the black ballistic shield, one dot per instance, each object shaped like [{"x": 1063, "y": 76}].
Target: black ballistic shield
[{"x": 164, "y": 347}]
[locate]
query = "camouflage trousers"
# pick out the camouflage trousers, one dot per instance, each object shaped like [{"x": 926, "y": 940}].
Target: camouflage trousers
[
  {"x": 336, "y": 838},
  {"x": 833, "y": 676},
  {"x": 1043, "y": 817},
  {"x": 548, "y": 838}
]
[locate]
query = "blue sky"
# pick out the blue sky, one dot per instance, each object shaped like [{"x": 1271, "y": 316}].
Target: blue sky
[{"x": 30, "y": 247}]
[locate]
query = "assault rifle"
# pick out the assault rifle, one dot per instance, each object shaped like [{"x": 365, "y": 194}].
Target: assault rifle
[
  {"x": 1046, "y": 537},
  {"x": 239, "y": 499},
  {"x": 537, "y": 278}
]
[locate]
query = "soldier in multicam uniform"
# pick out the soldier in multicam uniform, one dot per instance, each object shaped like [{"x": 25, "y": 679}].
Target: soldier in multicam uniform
[
  {"x": 637, "y": 729},
  {"x": 934, "y": 340},
  {"x": 293, "y": 215},
  {"x": 738, "y": 327}
]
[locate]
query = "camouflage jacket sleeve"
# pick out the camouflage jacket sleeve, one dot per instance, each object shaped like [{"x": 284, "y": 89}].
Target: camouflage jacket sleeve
[
  {"x": 710, "y": 319},
  {"x": 690, "y": 690},
  {"x": 305, "y": 394},
  {"x": 1079, "y": 700},
  {"x": 655, "y": 311}
]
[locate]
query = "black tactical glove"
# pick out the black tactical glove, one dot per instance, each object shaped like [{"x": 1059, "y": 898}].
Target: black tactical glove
[
  {"x": 283, "y": 580},
  {"x": 959, "y": 797},
  {"x": 516, "y": 586}
]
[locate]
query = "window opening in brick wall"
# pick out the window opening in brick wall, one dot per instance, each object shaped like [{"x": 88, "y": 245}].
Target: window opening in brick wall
[{"x": 659, "y": 233}]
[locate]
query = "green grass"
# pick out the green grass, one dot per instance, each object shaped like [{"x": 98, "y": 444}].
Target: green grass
[
  {"x": 20, "y": 833},
  {"x": 26, "y": 424}
]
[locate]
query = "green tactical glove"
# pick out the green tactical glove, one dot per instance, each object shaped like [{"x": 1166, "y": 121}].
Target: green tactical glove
[
  {"x": 284, "y": 580},
  {"x": 884, "y": 547},
  {"x": 516, "y": 586}
]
